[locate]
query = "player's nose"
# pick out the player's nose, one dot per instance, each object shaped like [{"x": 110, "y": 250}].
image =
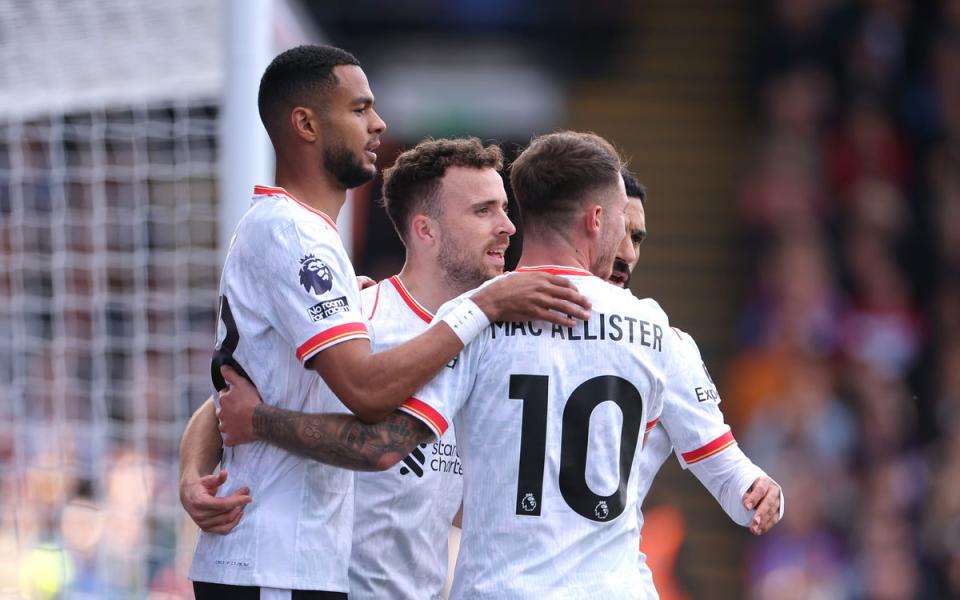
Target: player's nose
[
  {"x": 506, "y": 226},
  {"x": 377, "y": 124},
  {"x": 626, "y": 251}
]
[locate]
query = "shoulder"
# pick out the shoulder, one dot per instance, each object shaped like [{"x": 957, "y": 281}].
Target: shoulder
[
  {"x": 369, "y": 295},
  {"x": 281, "y": 220},
  {"x": 652, "y": 306},
  {"x": 374, "y": 298},
  {"x": 686, "y": 340},
  {"x": 449, "y": 305}
]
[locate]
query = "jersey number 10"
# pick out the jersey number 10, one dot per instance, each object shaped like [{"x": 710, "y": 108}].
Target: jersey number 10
[{"x": 533, "y": 390}]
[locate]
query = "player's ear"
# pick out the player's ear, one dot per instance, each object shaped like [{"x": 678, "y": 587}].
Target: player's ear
[
  {"x": 303, "y": 121},
  {"x": 593, "y": 219},
  {"x": 424, "y": 229}
]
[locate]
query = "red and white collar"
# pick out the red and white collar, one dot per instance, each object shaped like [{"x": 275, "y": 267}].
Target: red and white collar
[
  {"x": 556, "y": 270},
  {"x": 411, "y": 302},
  {"x": 265, "y": 190}
]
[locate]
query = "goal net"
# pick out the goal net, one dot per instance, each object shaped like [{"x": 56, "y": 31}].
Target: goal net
[{"x": 109, "y": 269}]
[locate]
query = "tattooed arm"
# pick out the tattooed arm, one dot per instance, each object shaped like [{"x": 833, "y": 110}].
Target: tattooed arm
[{"x": 341, "y": 440}]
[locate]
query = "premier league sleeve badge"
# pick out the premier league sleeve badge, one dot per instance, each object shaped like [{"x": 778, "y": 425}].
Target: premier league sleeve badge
[{"x": 315, "y": 276}]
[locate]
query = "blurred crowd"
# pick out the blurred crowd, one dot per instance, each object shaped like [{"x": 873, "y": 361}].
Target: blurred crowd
[{"x": 847, "y": 382}]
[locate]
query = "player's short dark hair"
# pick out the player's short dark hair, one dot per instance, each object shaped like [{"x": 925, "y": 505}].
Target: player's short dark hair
[
  {"x": 298, "y": 77},
  {"x": 555, "y": 174},
  {"x": 410, "y": 186},
  {"x": 635, "y": 189}
]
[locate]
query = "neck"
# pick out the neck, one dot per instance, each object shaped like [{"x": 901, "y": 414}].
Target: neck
[
  {"x": 314, "y": 187},
  {"x": 553, "y": 251},
  {"x": 427, "y": 285}
]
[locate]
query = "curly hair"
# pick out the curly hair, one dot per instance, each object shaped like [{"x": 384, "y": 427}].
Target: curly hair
[{"x": 410, "y": 186}]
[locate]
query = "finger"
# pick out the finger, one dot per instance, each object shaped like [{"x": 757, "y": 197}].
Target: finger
[
  {"x": 568, "y": 303},
  {"x": 769, "y": 509},
  {"x": 557, "y": 280},
  {"x": 567, "y": 292},
  {"x": 767, "y": 515},
  {"x": 552, "y": 316},
  {"x": 220, "y": 519},
  {"x": 232, "y": 377},
  {"x": 213, "y": 506},
  {"x": 226, "y": 527},
  {"x": 569, "y": 310},
  {"x": 756, "y": 493},
  {"x": 213, "y": 482},
  {"x": 570, "y": 293},
  {"x": 237, "y": 499}
]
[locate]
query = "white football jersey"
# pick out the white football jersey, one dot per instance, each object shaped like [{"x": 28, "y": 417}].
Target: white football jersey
[
  {"x": 691, "y": 425},
  {"x": 550, "y": 422},
  {"x": 402, "y": 516},
  {"x": 288, "y": 291}
]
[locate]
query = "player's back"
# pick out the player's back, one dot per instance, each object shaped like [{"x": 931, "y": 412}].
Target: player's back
[{"x": 549, "y": 437}]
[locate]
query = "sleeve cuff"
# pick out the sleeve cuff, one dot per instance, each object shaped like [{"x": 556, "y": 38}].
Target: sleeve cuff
[
  {"x": 426, "y": 413},
  {"x": 706, "y": 451},
  {"x": 331, "y": 337}
]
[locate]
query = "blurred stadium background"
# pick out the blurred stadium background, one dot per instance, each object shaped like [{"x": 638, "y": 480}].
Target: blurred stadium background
[{"x": 803, "y": 162}]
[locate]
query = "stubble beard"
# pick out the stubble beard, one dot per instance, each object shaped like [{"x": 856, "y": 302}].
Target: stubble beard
[
  {"x": 346, "y": 168},
  {"x": 459, "y": 269},
  {"x": 603, "y": 266},
  {"x": 623, "y": 268}
]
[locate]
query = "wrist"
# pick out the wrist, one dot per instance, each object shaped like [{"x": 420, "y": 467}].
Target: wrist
[
  {"x": 487, "y": 303},
  {"x": 467, "y": 320},
  {"x": 261, "y": 416},
  {"x": 189, "y": 474}
]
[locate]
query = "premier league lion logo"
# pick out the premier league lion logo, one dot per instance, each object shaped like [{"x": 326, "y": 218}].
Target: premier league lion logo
[{"x": 314, "y": 275}]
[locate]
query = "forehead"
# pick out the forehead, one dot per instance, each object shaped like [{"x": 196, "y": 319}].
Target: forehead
[
  {"x": 467, "y": 185},
  {"x": 353, "y": 83},
  {"x": 636, "y": 217}
]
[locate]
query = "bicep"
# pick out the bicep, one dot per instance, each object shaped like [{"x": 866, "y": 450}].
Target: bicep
[{"x": 338, "y": 365}]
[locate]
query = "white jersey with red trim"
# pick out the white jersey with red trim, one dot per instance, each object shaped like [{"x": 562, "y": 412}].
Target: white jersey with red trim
[
  {"x": 402, "y": 516},
  {"x": 288, "y": 291},
  {"x": 692, "y": 426},
  {"x": 550, "y": 422}
]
